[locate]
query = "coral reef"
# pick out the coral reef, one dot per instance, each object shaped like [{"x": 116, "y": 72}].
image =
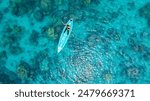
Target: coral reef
[
  {"x": 17, "y": 30},
  {"x": 139, "y": 48},
  {"x": 23, "y": 70},
  {"x": 8, "y": 77},
  {"x": 145, "y": 11},
  {"x": 131, "y": 41},
  {"x": 114, "y": 34},
  {"x": 46, "y": 6},
  {"x": 15, "y": 49},
  {"x": 1, "y": 16},
  {"x": 38, "y": 15},
  {"x": 97, "y": 2},
  {"x": 6, "y": 10},
  {"x": 8, "y": 40},
  {"x": 6, "y": 80},
  {"x": 105, "y": 39},
  {"x": 13, "y": 34},
  {"x": 11, "y": 39},
  {"x": 136, "y": 45},
  {"x": 14, "y": 29},
  {"x": 134, "y": 73},
  {"x": 59, "y": 2},
  {"x": 49, "y": 32},
  {"x": 107, "y": 76},
  {"x": 40, "y": 66},
  {"x": 93, "y": 39},
  {"x": 3, "y": 58},
  {"x": 22, "y": 7},
  {"x": 89, "y": 2},
  {"x": 34, "y": 37},
  {"x": 45, "y": 64},
  {"x": 131, "y": 5},
  {"x": 148, "y": 22},
  {"x": 3, "y": 55},
  {"x": 123, "y": 52},
  {"x": 86, "y": 2},
  {"x": 146, "y": 56}
]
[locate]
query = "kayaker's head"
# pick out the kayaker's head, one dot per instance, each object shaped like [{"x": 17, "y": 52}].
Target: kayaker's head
[{"x": 68, "y": 27}]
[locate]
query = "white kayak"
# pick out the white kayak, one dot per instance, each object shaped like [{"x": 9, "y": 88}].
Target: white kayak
[{"x": 64, "y": 36}]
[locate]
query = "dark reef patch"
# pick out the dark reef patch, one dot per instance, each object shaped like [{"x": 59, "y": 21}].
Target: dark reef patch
[
  {"x": 33, "y": 39},
  {"x": 22, "y": 7},
  {"x": 49, "y": 32},
  {"x": 93, "y": 40},
  {"x": 3, "y": 55},
  {"x": 26, "y": 73},
  {"x": 145, "y": 11},
  {"x": 3, "y": 58},
  {"x": 148, "y": 23},
  {"x": 46, "y": 6},
  {"x": 38, "y": 15},
  {"x": 136, "y": 44},
  {"x": 8, "y": 40},
  {"x": 131, "y": 41},
  {"x": 6, "y": 10},
  {"x": 23, "y": 70},
  {"x": 86, "y": 2},
  {"x": 139, "y": 48},
  {"x": 146, "y": 56},
  {"x": 13, "y": 29},
  {"x": 1, "y": 16},
  {"x": 15, "y": 49},
  {"x": 106, "y": 40},
  {"x": 4, "y": 79},
  {"x": 8, "y": 77},
  {"x": 133, "y": 72},
  {"x": 45, "y": 64},
  {"x": 41, "y": 55},
  {"x": 107, "y": 76},
  {"x": 131, "y": 5},
  {"x": 41, "y": 65},
  {"x": 114, "y": 34},
  {"x": 12, "y": 36},
  {"x": 123, "y": 53}
]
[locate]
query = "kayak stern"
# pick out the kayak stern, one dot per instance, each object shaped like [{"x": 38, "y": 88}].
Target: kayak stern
[{"x": 59, "y": 49}]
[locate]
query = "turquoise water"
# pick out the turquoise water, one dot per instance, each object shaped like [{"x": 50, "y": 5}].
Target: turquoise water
[{"x": 109, "y": 42}]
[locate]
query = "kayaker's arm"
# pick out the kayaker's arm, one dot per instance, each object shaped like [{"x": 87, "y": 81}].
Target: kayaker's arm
[{"x": 63, "y": 23}]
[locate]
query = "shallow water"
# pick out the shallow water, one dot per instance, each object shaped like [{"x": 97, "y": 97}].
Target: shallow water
[{"x": 109, "y": 42}]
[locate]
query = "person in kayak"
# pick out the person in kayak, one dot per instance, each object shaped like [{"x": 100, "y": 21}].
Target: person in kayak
[{"x": 67, "y": 27}]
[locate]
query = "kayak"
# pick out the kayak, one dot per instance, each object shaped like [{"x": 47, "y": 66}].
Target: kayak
[{"x": 65, "y": 36}]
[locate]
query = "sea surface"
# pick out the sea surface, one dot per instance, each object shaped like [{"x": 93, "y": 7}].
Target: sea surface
[{"x": 109, "y": 43}]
